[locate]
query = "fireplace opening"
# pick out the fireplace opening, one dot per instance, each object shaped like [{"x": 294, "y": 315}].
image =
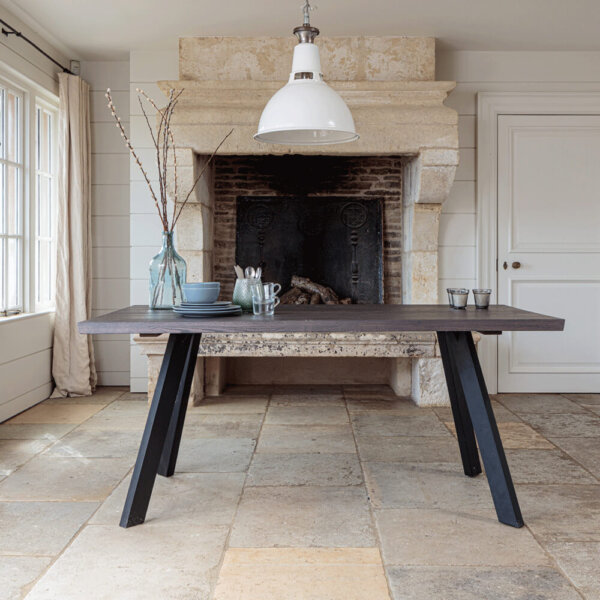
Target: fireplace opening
[
  {"x": 334, "y": 241},
  {"x": 336, "y": 220}
]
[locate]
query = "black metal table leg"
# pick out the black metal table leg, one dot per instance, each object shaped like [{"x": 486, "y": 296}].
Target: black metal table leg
[
  {"x": 155, "y": 432},
  {"x": 168, "y": 459},
  {"x": 467, "y": 370},
  {"x": 460, "y": 412}
]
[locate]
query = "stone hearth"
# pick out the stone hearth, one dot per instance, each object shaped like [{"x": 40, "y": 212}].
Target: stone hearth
[{"x": 388, "y": 83}]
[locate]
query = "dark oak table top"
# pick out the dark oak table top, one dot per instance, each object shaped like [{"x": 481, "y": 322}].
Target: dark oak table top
[{"x": 328, "y": 319}]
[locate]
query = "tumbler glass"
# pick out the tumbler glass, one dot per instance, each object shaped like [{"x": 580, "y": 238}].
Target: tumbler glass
[
  {"x": 482, "y": 297},
  {"x": 458, "y": 297}
]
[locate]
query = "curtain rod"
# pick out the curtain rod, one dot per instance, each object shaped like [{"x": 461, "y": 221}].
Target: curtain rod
[{"x": 12, "y": 31}]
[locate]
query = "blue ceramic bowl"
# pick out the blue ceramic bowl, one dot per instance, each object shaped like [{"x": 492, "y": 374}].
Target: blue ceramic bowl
[
  {"x": 203, "y": 284},
  {"x": 201, "y": 294}
]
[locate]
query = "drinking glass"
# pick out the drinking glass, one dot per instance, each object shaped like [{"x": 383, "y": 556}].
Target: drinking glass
[
  {"x": 482, "y": 297},
  {"x": 458, "y": 297}
]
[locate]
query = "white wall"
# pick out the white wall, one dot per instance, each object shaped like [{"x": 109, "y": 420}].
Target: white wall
[
  {"x": 146, "y": 68},
  {"x": 26, "y": 341},
  {"x": 110, "y": 212},
  {"x": 492, "y": 72}
]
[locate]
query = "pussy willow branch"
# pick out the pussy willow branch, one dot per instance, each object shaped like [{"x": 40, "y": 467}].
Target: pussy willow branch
[
  {"x": 164, "y": 142},
  {"x": 206, "y": 164},
  {"x": 158, "y": 110},
  {"x": 113, "y": 111}
]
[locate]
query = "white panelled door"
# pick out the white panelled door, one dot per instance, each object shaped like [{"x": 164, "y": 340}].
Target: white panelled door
[{"x": 549, "y": 249}]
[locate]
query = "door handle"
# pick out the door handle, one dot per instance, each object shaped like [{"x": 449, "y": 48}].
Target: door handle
[{"x": 515, "y": 265}]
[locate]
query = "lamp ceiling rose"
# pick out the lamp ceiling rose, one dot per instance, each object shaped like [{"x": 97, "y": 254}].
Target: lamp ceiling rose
[
  {"x": 306, "y": 111},
  {"x": 306, "y": 33}
]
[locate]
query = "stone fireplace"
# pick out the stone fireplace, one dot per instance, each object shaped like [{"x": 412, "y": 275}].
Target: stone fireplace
[{"x": 404, "y": 163}]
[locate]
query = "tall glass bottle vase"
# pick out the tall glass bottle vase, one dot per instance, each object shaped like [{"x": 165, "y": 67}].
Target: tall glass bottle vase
[{"x": 167, "y": 275}]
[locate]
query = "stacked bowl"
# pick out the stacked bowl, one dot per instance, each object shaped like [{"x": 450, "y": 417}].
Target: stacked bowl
[
  {"x": 201, "y": 300},
  {"x": 201, "y": 293}
]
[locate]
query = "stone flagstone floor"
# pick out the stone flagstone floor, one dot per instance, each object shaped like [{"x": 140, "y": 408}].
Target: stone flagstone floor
[{"x": 324, "y": 493}]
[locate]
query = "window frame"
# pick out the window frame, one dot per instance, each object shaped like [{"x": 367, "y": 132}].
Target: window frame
[{"x": 33, "y": 96}]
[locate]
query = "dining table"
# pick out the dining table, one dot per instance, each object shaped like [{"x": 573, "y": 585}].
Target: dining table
[{"x": 476, "y": 429}]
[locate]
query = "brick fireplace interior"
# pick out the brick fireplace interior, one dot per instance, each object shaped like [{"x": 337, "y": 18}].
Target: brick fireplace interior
[{"x": 334, "y": 219}]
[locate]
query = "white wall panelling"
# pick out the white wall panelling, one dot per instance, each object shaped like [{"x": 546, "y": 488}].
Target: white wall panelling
[
  {"x": 25, "y": 362},
  {"x": 110, "y": 212}
]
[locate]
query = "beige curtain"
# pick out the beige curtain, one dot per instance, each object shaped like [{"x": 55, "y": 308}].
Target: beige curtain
[{"x": 73, "y": 366}]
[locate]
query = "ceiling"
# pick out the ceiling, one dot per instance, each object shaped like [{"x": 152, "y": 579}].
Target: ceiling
[{"x": 108, "y": 29}]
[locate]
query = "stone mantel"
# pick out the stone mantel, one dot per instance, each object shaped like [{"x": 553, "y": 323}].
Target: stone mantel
[
  {"x": 391, "y": 117},
  {"x": 398, "y": 107}
]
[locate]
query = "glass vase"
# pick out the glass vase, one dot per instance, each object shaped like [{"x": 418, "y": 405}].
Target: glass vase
[{"x": 167, "y": 275}]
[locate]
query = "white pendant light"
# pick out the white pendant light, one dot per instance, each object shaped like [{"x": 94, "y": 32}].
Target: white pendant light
[{"x": 306, "y": 111}]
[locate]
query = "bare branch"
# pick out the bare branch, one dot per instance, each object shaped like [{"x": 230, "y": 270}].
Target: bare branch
[
  {"x": 113, "y": 111},
  {"x": 206, "y": 164}
]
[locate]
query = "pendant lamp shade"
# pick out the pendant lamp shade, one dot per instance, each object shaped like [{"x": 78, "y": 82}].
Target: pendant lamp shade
[{"x": 306, "y": 111}]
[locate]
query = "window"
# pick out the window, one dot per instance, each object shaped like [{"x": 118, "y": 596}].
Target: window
[{"x": 27, "y": 198}]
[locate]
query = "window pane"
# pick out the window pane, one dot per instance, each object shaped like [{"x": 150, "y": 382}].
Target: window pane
[
  {"x": 12, "y": 127},
  {"x": 44, "y": 142},
  {"x": 45, "y": 271},
  {"x": 2, "y": 201},
  {"x": 13, "y": 273},
  {"x": 2, "y": 278},
  {"x": 44, "y": 213},
  {"x": 13, "y": 187},
  {"x": 2, "y": 128}
]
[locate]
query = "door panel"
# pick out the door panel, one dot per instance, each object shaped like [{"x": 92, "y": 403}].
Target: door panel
[{"x": 549, "y": 228}]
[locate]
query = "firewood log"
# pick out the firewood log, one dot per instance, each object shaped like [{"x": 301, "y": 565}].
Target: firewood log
[
  {"x": 328, "y": 296},
  {"x": 303, "y": 298},
  {"x": 346, "y": 301},
  {"x": 315, "y": 299},
  {"x": 291, "y": 296}
]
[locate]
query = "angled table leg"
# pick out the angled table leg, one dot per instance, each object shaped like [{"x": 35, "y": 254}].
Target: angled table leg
[
  {"x": 155, "y": 432},
  {"x": 168, "y": 459},
  {"x": 460, "y": 412},
  {"x": 468, "y": 375}
]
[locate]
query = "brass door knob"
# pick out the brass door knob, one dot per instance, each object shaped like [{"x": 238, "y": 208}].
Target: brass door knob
[{"x": 516, "y": 265}]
